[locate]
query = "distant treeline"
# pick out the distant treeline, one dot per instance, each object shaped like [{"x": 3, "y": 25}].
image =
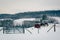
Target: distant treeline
[{"x": 36, "y": 14}]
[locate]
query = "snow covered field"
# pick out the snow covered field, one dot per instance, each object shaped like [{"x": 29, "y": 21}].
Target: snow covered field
[{"x": 43, "y": 34}]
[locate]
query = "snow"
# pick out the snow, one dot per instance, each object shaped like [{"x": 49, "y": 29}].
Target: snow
[
  {"x": 56, "y": 18},
  {"x": 43, "y": 34},
  {"x": 20, "y": 21}
]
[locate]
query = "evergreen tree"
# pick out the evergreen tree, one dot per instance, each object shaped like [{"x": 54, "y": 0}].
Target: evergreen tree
[{"x": 44, "y": 17}]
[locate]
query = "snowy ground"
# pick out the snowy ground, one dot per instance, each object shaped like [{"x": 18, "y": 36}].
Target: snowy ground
[{"x": 43, "y": 34}]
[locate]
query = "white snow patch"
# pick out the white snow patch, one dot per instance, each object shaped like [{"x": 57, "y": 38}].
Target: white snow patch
[
  {"x": 20, "y": 21},
  {"x": 43, "y": 34},
  {"x": 57, "y": 18}
]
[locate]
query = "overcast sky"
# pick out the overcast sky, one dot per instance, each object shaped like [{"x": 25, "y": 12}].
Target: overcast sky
[{"x": 14, "y": 6}]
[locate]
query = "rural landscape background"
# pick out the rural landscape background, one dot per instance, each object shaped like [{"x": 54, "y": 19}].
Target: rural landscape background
[{"x": 29, "y": 19}]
